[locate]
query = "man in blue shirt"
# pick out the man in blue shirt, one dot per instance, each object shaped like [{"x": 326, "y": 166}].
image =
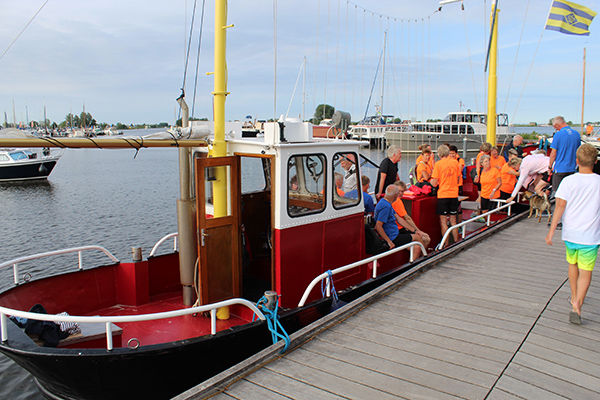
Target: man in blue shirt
[
  {"x": 385, "y": 225},
  {"x": 564, "y": 147},
  {"x": 353, "y": 194}
]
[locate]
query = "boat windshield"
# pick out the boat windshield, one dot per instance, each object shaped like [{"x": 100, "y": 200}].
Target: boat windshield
[{"x": 18, "y": 155}]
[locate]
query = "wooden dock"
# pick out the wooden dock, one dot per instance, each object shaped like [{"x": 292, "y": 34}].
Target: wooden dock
[{"x": 490, "y": 323}]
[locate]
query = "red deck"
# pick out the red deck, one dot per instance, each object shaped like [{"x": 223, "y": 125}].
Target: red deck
[{"x": 166, "y": 330}]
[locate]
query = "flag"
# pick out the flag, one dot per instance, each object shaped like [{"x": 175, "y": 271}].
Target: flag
[{"x": 570, "y": 18}]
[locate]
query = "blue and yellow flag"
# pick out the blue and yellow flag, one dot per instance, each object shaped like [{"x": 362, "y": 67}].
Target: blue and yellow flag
[{"x": 570, "y": 18}]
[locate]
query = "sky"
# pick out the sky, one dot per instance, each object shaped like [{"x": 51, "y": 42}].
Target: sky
[{"x": 124, "y": 60}]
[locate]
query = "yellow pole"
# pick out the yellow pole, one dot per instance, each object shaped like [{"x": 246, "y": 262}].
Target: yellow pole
[
  {"x": 220, "y": 93},
  {"x": 219, "y": 149},
  {"x": 492, "y": 82},
  {"x": 583, "y": 95}
]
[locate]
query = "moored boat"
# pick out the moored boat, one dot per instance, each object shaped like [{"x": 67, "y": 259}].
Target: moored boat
[
  {"x": 464, "y": 129},
  {"x": 21, "y": 164}
]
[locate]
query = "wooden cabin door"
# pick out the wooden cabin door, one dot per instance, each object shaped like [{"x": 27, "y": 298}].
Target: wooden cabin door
[{"x": 218, "y": 213}]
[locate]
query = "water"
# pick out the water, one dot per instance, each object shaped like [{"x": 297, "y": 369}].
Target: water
[
  {"x": 111, "y": 198},
  {"x": 104, "y": 197}
]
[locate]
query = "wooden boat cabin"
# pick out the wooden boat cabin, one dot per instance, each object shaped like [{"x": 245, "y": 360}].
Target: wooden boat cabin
[{"x": 294, "y": 222}]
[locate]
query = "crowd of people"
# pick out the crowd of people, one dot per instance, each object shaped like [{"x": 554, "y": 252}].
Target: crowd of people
[{"x": 566, "y": 175}]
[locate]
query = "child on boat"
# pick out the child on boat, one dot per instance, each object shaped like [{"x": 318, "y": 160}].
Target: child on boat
[{"x": 578, "y": 205}]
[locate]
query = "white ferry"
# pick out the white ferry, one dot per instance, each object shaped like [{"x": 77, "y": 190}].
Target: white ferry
[{"x": 464, "y": 129}]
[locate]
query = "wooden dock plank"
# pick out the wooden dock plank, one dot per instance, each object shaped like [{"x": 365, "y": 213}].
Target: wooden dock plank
[
  {"x": 489, "y": 323},
  {"x": 488, "y": 359},
  {"x": 250, "y": 391},
  {"x": 379, "y": 382},
  {"x": 393, "y": 353},
  {"x": 541, "y": 380},
  {"x": 334, "y": 376},
  {"x": 289, "y": 387},
  {"x": 524, "y": 390}
]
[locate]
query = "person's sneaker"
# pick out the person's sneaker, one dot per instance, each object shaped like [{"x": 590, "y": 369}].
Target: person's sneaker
[{"x": 482, "y": 220}]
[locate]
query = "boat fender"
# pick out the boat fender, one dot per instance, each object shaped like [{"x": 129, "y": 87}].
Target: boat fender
[
  {"x": 335, "y": 302},
  {"x": 42, "y": 169}
]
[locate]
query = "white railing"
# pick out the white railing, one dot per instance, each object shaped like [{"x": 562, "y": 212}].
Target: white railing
[
  {"x": 173, "y": 235},
  {"x": 373, "y": 259},
  {"x": 487, "y": 214},
  {"x": 16, "y": 261},
  {"x": 125, "y": 318}
]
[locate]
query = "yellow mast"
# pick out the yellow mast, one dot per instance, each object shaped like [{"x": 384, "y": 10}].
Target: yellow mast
[
  {"x": 220, "y": 94},
  {"x": 492, "y": 79},
  {"x": 583, "y": 94}
]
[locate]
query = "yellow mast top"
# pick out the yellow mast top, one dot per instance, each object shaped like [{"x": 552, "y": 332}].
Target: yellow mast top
[{"x": 492, "y": 79}]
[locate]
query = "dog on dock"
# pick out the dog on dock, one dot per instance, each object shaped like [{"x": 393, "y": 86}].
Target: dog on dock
[{"x": 539, "y": 204}]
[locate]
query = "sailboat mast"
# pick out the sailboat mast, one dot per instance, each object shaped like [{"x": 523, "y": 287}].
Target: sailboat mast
[
  {"x": 383, "y": 72},
  {"x": 583, "y": 92},
  {"x": 492, "y": 78},
  {"x": 304, "y": 90}
]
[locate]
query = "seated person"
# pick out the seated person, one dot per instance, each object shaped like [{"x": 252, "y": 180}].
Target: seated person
[
  {"x": 423, "y": 171},
  {"x": 353, "y": 194},
  {"x": 339, "y": 181},
  {"x": 387, "y": 219},
  {"x": 294, "y": 183}
]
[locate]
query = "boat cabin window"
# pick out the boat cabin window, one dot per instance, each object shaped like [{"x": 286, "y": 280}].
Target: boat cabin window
[
  {"x": 3, "y": 157},
  {"x": 222, "y": 206},
  {"x": 502, "y": 120},
  {"x": 346, "y": 190},
  {"x": 306, "y": 184}
]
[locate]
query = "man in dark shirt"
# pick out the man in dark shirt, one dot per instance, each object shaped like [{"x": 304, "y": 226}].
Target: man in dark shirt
[
  {"x": 514, "y": 144},
  {"x": 388, "y": 171}
]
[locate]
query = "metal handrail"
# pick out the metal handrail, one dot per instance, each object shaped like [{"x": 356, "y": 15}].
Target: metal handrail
[
  {"x": 373, "y": 259},
  {"x": 164, "y": 239},
  {"x": 125, "y": 318},
  {"x": 16, "y": 261},
  {"x": 487, "y": 214}
]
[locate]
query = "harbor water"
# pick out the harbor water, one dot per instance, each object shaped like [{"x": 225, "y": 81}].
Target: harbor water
[{"x": 118, "y": 199}]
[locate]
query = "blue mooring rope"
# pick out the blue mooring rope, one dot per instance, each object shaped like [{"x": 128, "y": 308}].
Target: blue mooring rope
[
  {"x": 273, "y": 323},
  {"x": 333, "y": 292}
]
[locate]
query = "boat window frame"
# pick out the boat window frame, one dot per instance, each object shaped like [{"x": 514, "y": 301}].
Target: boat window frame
[
  {"x": 324, "y": 174},
  {"x": 339, "y": 205}
]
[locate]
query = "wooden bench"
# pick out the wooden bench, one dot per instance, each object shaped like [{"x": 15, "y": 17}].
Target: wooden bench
[{"x": 92, "y": 334}]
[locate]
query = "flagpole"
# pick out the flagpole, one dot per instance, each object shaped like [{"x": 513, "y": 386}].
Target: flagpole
[{"x": 583, "y": 92}]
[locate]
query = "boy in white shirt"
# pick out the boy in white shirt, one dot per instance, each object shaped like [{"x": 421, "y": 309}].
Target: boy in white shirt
[{"x": 578, "y": 204}]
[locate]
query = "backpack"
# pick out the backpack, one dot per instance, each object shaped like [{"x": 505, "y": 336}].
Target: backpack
[{"x": 412, "y": 173}]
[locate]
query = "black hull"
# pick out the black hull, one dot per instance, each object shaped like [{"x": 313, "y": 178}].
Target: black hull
[
  {"x": 26, "y": 171},
  {"x": 150, "y": 372}
]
